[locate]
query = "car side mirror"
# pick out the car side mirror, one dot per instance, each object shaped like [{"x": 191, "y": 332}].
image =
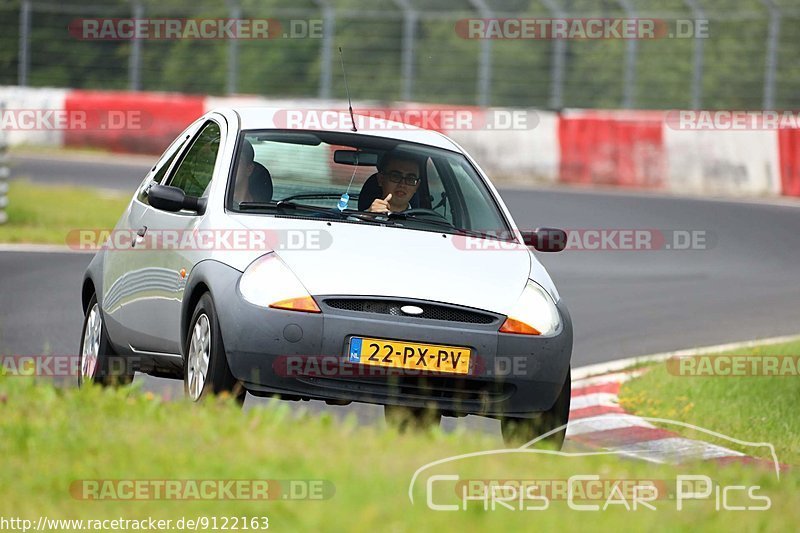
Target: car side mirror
[
  {"x": 546, "y": 239},
  {"x": 173, "y": 199}
]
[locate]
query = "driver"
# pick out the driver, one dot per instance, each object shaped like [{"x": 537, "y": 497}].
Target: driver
[
  {"x": 253, "y": 181},
  {"x": 399, "y": 179}
]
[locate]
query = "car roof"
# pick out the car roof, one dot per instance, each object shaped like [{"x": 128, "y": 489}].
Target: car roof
[{"x": 258, "y": 118}]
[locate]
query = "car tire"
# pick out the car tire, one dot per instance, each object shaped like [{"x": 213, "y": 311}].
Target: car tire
[
  {"x": 407, "y": 418},
  {"x": 98, "y": 362},
  {"x": 206, "y": 371},
  {"x": 521, "y": 430}
]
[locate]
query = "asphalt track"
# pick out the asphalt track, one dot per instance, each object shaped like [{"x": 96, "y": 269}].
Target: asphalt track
[{"x": 623, "y": 303}]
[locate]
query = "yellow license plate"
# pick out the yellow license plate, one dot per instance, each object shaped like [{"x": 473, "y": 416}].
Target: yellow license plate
[{"x": 409, "y": 355}]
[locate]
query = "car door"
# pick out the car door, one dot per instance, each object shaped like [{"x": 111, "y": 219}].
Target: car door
[
  {"x": 159, "y": 267},
  {"x": 120, "y": 263}
]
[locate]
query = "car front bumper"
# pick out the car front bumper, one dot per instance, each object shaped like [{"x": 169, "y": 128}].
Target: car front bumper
[{"x": 299, "y": 355}]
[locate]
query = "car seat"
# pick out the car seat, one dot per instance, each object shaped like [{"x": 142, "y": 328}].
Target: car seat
[{"x": 259, "y": 184}]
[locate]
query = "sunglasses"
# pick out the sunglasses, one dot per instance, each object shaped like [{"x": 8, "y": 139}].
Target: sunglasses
[{"x": 395, "y": 176}]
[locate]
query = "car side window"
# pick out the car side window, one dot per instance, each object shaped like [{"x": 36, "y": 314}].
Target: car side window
[
  {"x": 159, "y": 176},
  {"x": 474, "y": 196},
  {"x": 171, "y": 153},
  {"x": 195, "y": 171}
]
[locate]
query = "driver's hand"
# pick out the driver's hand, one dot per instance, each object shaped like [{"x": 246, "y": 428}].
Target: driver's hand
[{"x": 380, "y": 206}]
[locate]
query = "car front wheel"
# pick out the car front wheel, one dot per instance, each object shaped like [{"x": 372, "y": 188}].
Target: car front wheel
[{"x": 206, "y": 370}]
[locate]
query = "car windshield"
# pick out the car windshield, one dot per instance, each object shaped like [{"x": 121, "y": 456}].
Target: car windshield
[{"x": 387, "y": 181}]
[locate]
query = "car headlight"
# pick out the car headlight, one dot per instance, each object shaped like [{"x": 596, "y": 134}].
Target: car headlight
[
  {"x": 268, "y": 282},
  {"x": 535, "y": 313}
]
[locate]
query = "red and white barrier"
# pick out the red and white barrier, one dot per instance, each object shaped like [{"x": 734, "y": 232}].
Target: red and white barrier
[
  {"x": 148, "y": 122},
  {"x": 523, "y": 155},
  {"x": 789, "y": 161},
  {"x": 21, "y": 100},
  {"x": 639, "y": 149},
  {"x": 647, "y": 149},
  {"x": 612, "y": 148},
  {"x": 737, "y": 163}
]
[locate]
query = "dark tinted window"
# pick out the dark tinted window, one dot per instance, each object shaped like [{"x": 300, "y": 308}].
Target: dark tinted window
[
  {"x": 195, "y": 171},
  {"x": 162, "y": 170}
]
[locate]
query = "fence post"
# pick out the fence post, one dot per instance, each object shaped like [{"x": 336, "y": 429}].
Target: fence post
[
  {"x": 559, "y": 60},
  {"x": 485, "y": 61},
  {"x": 697, "y": 56},
  {"x": 24, "y": 63},
  {"x": 409, "y": 36},
  {"x": 631, "y": 52},
  {"x": 4, "y": 171},
  {"x": 135, "y": 59},
  {"x": 233, "y": 50},
  {"x": 328, "y": 29},
  {"x": 773, "y": 31}
]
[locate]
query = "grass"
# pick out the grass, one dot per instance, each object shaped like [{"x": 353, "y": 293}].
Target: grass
[
  {"x": 51, "y": 438},
  {"x": 46, "y": 214},
  {"x": 752, "y": 408}
]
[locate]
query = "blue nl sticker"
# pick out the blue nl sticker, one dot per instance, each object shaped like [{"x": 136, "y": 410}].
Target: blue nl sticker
[{"x": 355, "y": 350}]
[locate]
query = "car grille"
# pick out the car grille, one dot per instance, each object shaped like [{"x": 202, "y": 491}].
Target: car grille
[
  {"x": 392, "y": 307},
  {"x": 460, "y": 394}
]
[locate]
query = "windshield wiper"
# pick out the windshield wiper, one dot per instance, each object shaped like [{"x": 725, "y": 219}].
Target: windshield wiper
[
  {"x": 252, "y": 206},
  {"x": 288, "y": 204},
  {"x": 281, "y": 204},
  {"x": 436, "y": 222},
  {"x": 284, "y": 205}
]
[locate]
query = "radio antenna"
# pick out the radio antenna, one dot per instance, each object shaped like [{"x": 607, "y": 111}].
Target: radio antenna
[{"x": 346, "y": 90}]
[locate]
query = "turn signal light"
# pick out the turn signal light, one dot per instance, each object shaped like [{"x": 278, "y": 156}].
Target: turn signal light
[
  {"x": 512, "y": 325},
  {"x": 305, "y": 303}
]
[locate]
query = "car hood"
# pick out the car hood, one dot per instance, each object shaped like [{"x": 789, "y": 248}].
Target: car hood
[{"x": 370, "y": 260}]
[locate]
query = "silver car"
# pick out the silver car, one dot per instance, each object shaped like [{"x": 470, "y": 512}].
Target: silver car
[{"x": 368, "y": 262}]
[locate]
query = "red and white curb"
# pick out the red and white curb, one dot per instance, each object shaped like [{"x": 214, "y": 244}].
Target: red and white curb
[{"x": 597, "y": 420}]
